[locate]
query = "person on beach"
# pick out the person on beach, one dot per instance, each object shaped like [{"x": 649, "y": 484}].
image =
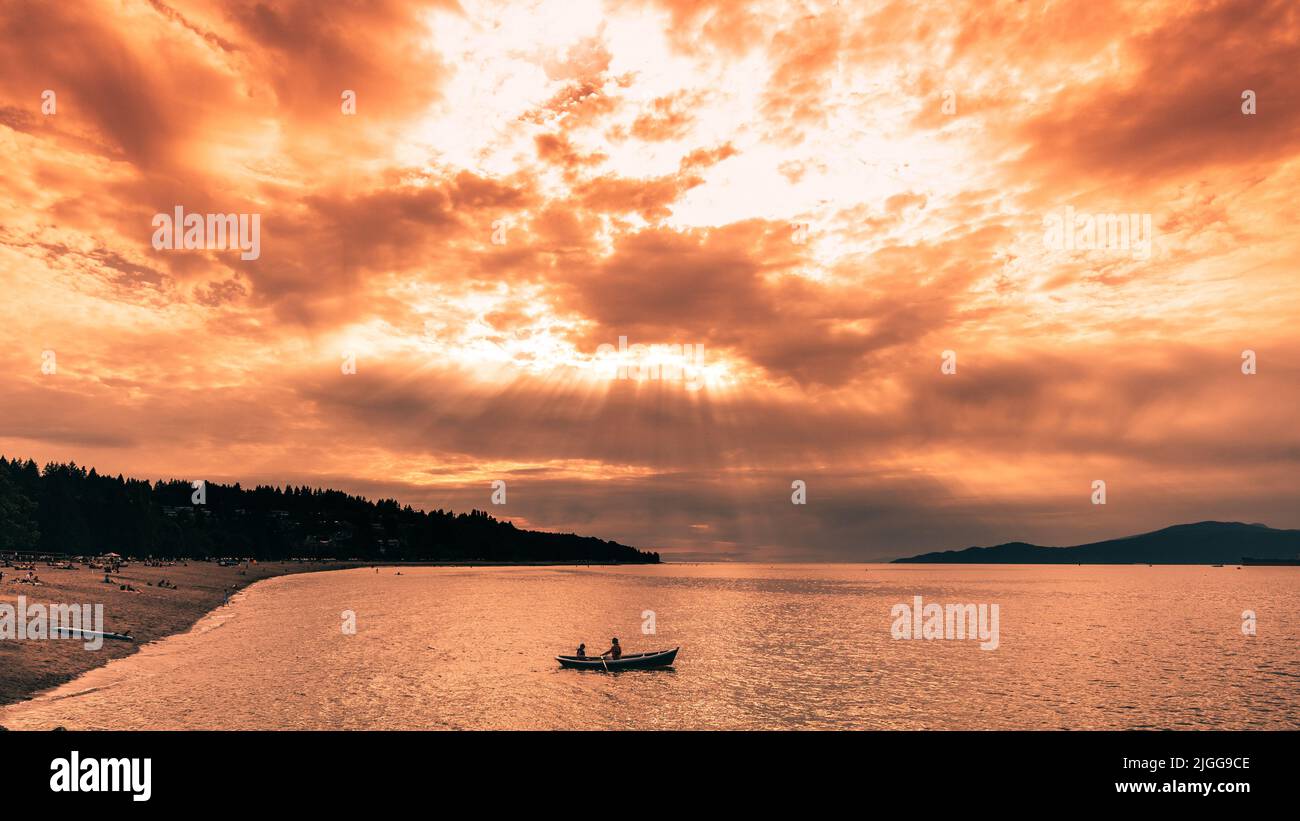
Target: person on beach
[{"x": 614, "y": 650}]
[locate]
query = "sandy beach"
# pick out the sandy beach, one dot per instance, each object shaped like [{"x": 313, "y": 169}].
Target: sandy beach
[{"x": 152, "y": 613}]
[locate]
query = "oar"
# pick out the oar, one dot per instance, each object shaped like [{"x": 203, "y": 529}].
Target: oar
[{"x": 603, "y": 664}]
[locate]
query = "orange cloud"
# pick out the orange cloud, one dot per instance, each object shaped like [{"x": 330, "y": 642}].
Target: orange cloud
[{"x": 825, "y": 197}]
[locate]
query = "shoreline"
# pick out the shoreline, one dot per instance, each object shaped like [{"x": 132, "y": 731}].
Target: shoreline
[{"x": 151, "y": 613}]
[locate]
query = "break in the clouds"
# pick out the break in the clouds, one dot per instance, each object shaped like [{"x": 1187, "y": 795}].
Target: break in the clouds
[{"x": 470, "y": 204}]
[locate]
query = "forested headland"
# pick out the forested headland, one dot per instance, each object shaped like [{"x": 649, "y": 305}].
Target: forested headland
[{"x": 69, "y": 509}]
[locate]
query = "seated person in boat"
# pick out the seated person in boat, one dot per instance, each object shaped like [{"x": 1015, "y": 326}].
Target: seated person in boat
[
  {"x": 582, "y": 651},
  {"x": 614, "y": 651}
]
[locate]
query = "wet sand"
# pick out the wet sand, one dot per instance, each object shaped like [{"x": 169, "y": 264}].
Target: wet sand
[{"x": 28, "y": 667}]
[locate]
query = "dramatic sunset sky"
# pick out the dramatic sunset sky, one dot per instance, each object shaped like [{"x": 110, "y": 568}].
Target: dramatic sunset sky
[{"x": 648, "y": 164}]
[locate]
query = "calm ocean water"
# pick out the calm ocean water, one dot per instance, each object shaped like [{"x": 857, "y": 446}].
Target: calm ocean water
[{"x": 783, "y": 646}]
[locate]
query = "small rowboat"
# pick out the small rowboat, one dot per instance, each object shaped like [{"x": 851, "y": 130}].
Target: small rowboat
[{"x": 631, "y": 661}]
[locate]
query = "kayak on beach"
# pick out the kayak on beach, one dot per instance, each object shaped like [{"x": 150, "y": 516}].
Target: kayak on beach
[
  {"x": 91, "y": 634},
  {"x": 632, "y": 661}
]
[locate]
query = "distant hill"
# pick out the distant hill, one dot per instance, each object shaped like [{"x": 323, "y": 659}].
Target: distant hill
[
  {"x": 68, "y": 509},
  {"x": 1199, "y": 543}
]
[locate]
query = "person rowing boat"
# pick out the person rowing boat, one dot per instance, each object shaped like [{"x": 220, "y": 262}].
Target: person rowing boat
[{"x": 614, "y": 650}]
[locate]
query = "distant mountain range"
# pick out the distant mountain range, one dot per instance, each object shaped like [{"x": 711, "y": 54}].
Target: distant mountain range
[{"x": 1199, "y": 543}]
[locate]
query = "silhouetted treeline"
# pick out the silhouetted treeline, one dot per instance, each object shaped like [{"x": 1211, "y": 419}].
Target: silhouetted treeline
[{"x": 72, "y": 510}]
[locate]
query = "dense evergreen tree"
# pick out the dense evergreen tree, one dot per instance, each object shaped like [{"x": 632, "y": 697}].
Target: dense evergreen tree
[
  {"x": 67, "y": 509},
  {"x": 17, "y": 517}
]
